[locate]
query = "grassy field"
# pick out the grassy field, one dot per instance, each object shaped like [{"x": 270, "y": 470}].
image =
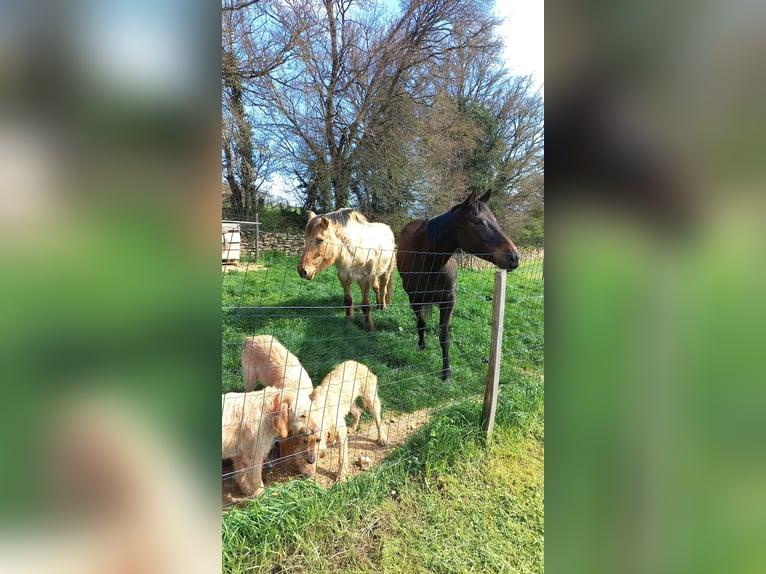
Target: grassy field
[
  {"x": 308, "y": 318},
  {"x": 451, "y": 506},
  {"x": 440, "y": 503}
]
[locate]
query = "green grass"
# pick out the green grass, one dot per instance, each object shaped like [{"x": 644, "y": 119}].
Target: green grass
[
  {"x": 442, "y": 503},
  {"x": 458, "y": 506},
  {"x": 308, "y": 318}
]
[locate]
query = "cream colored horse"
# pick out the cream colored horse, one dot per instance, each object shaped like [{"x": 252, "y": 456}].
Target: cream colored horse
[{"x": 362, "y": 252}]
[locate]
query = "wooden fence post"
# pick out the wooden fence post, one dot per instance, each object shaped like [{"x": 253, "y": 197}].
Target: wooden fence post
[
  {"x": 257, "y": 237},
  {"x": 493, "y": 373}
]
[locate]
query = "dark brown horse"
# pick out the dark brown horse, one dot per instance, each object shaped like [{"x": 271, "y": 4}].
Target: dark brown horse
[{"x": 429, "y": 274}]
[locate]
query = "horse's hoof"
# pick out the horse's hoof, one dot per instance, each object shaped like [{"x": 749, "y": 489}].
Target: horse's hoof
[{"x": 446, "y": 376}]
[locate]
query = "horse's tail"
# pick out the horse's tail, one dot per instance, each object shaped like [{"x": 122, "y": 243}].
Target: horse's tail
[{"x": 390, "y": 287}]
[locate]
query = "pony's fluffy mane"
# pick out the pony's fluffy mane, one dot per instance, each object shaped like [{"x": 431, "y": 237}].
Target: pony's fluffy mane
[{"x": 343, "y": 216}]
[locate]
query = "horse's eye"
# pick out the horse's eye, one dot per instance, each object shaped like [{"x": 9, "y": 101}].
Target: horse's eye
[
  {"x": 320, "y": 241},
  {"x": 478, "y": 220}
]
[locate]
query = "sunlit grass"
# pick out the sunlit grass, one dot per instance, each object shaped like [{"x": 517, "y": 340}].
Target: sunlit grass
[
  {"x": 308, "y": 318},
  {"x": 444, "y": 502}
]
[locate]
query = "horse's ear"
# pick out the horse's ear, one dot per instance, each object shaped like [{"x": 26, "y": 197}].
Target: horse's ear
[
  {"x": 485, "y": 198},
  {"x": 311, "y": 215},
  {"x": 324, "y": 222},
  {"x": 470, "y": 199},
  {"x": 281, "y": 420}
]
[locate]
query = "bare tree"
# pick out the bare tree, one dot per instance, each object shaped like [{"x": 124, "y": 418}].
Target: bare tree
[
  {"x": 247, "y": 162},
  {"x": 350, "y": 67},
  {"x": 395, "y": 111}
]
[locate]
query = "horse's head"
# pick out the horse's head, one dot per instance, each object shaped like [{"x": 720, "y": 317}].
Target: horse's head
[
  {"x": 480, "y": 234},
  {"x": 302, "y": 451},
  {"x": 321, "y": 248}
]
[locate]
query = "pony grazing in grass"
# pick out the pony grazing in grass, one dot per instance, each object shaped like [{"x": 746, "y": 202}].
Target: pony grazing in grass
[
  {"x": 428, "y": 271},
  {"x": 363, "y": 253}
]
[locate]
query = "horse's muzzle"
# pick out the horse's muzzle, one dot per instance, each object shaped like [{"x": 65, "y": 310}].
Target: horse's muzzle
[
  {"x": 507, "y": 260},
  {"x": 304, "y": 273}
]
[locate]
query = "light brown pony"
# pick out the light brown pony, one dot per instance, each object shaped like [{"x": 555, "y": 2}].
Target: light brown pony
[
  {"x": 363, "y": 253},
  {"x": 267, "y": 360},
  {"x": 251, "y": 421},
  {"x": 331, "y": 401}
]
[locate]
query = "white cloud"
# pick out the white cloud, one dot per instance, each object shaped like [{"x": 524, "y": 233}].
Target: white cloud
[{"x": 523, "y": 33}]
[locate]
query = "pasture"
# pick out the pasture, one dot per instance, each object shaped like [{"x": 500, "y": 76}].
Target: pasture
[{"x": 309, "y": 319}]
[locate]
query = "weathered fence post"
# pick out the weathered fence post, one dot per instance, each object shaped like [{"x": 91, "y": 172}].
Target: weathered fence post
[
  {"x": 257, "y": 237},
  {"x": 493, "y": 373}
]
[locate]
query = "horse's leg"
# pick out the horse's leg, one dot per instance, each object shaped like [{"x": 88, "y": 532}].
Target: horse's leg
[
  {"x": 356, "y": 413},
  {"x": 374, "y": 407},
  {"x": 389, "y": 289},
  {"x": 380, "y": 288},
  {"x": 365, "y": 285},
  {"x": 248, "y": 474},
  {"x": 420, "y": 315},
  {"x": 348, "y": 303},
  {"x": 445, "y": 316},
  {"x": 341, "y": 433}
]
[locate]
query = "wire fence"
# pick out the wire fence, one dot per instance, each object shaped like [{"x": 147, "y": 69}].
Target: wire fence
[{"x": 266, "y": 296}]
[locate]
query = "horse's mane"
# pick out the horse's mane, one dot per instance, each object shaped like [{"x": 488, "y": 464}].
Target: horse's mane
[
  {"x": 343, "y": 216},
  {"x": 437, "y": 227}
]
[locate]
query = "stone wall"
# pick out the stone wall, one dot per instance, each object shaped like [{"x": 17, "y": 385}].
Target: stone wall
[{"x": 289, "y": 243}]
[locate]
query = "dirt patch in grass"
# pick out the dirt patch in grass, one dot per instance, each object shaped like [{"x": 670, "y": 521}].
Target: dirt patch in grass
[
  {"x": 363, "y": 454},
  {"x": 243, "y": 267}
]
